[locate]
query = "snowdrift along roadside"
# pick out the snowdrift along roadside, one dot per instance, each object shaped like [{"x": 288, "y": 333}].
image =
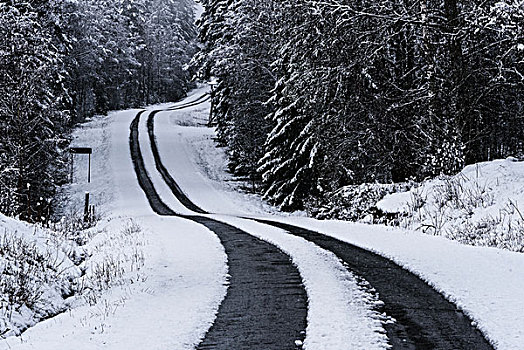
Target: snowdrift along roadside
[
  {"x": 483, "y": 205},
  {"x": 172, "y": 300},
  {"x": 485, "y": 282}
]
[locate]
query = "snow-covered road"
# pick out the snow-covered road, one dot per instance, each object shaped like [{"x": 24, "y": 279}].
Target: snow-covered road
[
  {"x": 187, "y": 266},
  {"x": 480, "y": 288},
  {"x": 430, "y": 325}
]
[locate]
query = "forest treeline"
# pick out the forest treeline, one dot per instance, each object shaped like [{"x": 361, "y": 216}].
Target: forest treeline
[
  {"x": 62, "y": 61},
  {"x": 314, "y": 95}
]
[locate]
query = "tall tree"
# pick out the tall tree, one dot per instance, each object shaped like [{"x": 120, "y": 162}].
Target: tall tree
[
  {"x": 238, "y": 56},
  {"x": 32, "y": 116}
]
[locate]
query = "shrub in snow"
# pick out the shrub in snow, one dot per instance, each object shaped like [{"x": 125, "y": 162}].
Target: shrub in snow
[
  {"x": 505, "y": 230},
  {"x": 116, "y": 258},
  {"x": 357, "y": 203},
  {"x": 36, "y": 279},
  {"x": 44, "y": 271},
  {"x": 478, "y": 206}
]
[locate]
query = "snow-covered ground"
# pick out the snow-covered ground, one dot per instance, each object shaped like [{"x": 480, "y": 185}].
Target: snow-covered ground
[
  {"x": 482, "y": 205},
  {"x": 487, "y": 283},
  {"x": 35, "y": 275},
  {"x": 173, "y": 299}
]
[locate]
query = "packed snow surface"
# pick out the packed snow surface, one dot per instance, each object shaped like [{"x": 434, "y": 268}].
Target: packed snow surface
[
  {"x": 487, "y": 283},
  {"x": 186, "y": 267}
]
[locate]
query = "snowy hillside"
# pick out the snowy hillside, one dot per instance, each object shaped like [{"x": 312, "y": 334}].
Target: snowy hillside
[
  {"x": 37, "y": 271},
  {"x": 482, "y": 205}
]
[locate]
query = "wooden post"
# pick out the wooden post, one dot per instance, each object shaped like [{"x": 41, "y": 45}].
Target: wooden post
[
  {"x": 86, "y": 208},
  {"x": 212, "y": 85},
  {"x": 28, "y": 213},
  {"x": 210, "y": 121},
  {"x": 89, "y": 170}
]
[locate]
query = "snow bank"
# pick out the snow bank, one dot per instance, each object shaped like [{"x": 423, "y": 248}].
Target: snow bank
[
  {"x": 485, "y": 282},
  {"x": 36, "y": 275},
  {"x": 482, "y": 205}
]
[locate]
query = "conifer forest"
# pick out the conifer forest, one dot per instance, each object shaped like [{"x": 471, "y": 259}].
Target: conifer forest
[
  {"x": 62, "y": 61},
  {"x": 310, "y": 95},
  {"x": 314, "y": 95}
]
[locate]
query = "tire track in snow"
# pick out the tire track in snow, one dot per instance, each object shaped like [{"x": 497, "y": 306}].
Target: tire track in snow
[
  {"x": 171, "y": 183},
  {"x": 424, "y": 319},
  {"x": 266, "y": 305},
  {"x": 201, "y": 99}
]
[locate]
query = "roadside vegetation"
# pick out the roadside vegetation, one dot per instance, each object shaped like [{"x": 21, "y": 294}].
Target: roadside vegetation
[
  {"x": 482, "y": 205},
  {"x": 314, "y": 96},
  {"x": 46, "y": 271}
]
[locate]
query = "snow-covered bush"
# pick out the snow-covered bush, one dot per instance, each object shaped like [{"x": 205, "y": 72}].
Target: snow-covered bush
[
  {"x": 357, "y": 203},
  {"x": 505, "y": 230},
  {"x": 116, "y": 257},
  {"x": 73, "y": 226},
  {"x": 36, "y": 276},
  {"x": 479, "y": 206},
  {"x": 43, "y": 271}
]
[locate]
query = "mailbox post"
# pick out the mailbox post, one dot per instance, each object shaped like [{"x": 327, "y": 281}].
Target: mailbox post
[
  {"x": 212, "y": 84},
  {"x": 84, "y": 150}
]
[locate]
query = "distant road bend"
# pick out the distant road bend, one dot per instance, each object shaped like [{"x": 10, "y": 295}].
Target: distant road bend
[
  {"x": 424, "y": 319},
  {"x": 266, "y": 304}
]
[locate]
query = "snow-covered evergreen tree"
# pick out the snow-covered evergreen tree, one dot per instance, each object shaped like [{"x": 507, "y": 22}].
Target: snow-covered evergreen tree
[
  {"x": 33, "y": 96},
  {"x": 237, "y": 37}
]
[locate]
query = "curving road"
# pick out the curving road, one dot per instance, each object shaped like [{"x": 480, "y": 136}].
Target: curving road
[
  {"x": 266, "y": 304},
  {"x": 251, "y": 312}
]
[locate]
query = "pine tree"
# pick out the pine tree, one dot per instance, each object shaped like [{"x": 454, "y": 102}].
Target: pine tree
[
  {"x": 237, "y": 38},
  {"x": 32, "y": 119}
]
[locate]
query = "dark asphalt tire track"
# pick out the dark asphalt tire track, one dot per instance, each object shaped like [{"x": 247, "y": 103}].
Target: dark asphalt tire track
[
  {"x": 171, "y": 183},
  {"x": 266, "y": 304},
  {"x": 424, "y": 318},
  {"x": 200, "y": 99}
]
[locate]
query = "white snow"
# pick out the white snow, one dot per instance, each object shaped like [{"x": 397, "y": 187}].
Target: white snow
[
  {"x": 396, "y": 202},
  {"x": 482, "y": 205},
  {"x": 186, "y": 266},
  {"x": 172, "y": 301},
  {"x": 34, "y": 268},
  {"x": 171, "y": 308}
]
